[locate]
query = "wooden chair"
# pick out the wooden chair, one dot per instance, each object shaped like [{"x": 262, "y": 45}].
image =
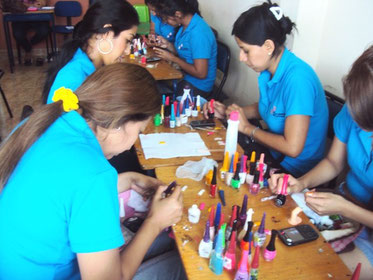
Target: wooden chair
[{"x": 4, "y": 97}]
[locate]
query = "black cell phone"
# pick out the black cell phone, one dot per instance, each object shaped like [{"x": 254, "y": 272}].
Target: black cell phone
[
  {"x": 203, "y": 123},
  {"x": 133, "y": 223},
  {"x": 297, "y": 235},
  {"x": 169, "y": 189},
  {"x": 153, "y": 59}
]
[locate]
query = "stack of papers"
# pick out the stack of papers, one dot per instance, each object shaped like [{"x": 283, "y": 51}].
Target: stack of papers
[{"x": 171, "y": 145}]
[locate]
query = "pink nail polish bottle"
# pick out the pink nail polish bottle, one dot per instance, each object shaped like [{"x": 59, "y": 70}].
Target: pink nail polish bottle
[
  {"x": 254, "y": 187},
  {"x": 270, "y": 250}
]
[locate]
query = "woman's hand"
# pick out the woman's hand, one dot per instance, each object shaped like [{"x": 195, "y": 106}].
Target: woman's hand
[
  {"x": 161, "y": 42},
  {"x": 294, "y": 185},
  {"x": 244, "y": 126},
  {"x": 144, "y": 185},
  {"x": 164, "y": 54},
  {"x": 165, "y": 212},
  {"x": 219, "y": 110},
  {"x": 324, "y": 203}
]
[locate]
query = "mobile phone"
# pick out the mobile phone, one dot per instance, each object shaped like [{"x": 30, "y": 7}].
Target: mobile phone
[
  {"x": 203, "y": 123},
  {"x": 153, "y": 59},
  {"x": 133, "y": 223},
  {"x": 297, "y": 235},
  {"x": 169, "y": 189}
]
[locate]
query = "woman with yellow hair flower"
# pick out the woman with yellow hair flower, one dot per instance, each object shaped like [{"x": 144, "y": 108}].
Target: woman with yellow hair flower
[{"x": 54, "y": 169}]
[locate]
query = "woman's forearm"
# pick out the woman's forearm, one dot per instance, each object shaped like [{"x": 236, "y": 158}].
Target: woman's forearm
[
  {"x": 133, "y": 254},
  {"x": 359, "y": 214},
  {"x": 252, "y": 111},
  {"x": 325, "y": 171}
]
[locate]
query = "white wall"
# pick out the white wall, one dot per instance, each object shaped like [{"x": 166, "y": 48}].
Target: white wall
[{"x": 331, "y": 35}]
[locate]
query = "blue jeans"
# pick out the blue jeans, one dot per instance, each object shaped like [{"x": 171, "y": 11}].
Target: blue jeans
[
  {"x": 162, "y": 261},
  {"x": 163, "y": 267}
]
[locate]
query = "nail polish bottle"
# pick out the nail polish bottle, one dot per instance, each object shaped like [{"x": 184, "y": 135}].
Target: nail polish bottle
[
  {"x": 260, "y": 236},
  {"x": 270, "y": 250},
  {"x": 243, "y": 169},
  {"x": 243, "y": 267},
  {"x": 230, "y": 173},
  {"x": 230, "y": 255},
  {"x": 235, "y": 182},
  {"x": 224, "y": 169},
  {"x": 205, "y": 246},
  {"x": 255, "y": 265},
  {"x": 213, "y": 184},
  {"x": 242, "y": 216},
  {"x": 216, "y": 259},
  {"x": 254, "y": 187},
  {"x": 230, "y": 226}
]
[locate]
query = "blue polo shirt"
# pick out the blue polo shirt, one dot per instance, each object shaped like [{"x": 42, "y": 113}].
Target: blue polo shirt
[
  {"x": 61, "y": 200},
  {"x": 295, "y": 89},
  {"x": 198, "y": 41},
  {"x": 359, "y": 155},
  {"x": 73, "y": 74},
  {"x": 165, "y": 30}
]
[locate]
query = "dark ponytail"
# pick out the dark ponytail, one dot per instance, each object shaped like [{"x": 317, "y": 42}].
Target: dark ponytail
[
  {"x": 259, "y": 24},
  {"x": 120, "y": 14},
  {"x": 170, "y": 7}
]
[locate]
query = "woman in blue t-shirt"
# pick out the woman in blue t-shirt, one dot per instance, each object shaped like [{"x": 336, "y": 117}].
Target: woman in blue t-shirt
[
  {"x": 292, "y": 101},
  {"x": 59, "y": 208},
  {"x": 102, "y": 37},
  {"x": 158, "y": 27},
  {"x": 194, "y": 50},
  {"x": 352, "y": 144}
]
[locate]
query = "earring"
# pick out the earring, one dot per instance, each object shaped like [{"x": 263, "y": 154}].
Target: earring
[
  {"x": 99, "y": 46},
  {"x": 269, "y": 54},
  {"x": 119, "y": 128}
]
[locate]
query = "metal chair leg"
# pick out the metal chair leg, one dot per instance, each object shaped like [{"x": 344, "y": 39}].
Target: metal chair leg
[{"x": 6, "y": 103}]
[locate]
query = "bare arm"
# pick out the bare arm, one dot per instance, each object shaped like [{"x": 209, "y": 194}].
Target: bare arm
[
  {"x": 329, "y": 203},
  {"x": 326, "y": 170},
  {"x": 250, "y": 111},
  {"x": 291, "y": 143},
  {"x": 112, "y": 264},
  {"x": 198, "y": 68},
  {"x": 138, "y": 182}
]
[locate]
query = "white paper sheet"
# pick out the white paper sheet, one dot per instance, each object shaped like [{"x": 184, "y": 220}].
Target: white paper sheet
[{"x": 171, "y": 145}]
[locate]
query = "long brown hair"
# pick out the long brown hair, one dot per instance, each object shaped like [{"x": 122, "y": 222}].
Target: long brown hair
[
  {"x": 110, "y": 97},
  {"x": 358, "y": 89}
]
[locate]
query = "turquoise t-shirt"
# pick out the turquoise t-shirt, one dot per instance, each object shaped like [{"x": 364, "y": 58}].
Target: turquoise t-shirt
[
  {"x": 165, "y": 30},
  {"x": 295, "y": 89},
  {"x": 359, "y": 155},
  {"x": 198, "y": 41},
  {"x": 61, "y": 200},
  {"x": 73, "y": 74}
]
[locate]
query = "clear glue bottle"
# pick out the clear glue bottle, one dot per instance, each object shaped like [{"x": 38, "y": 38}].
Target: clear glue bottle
[
  {"x": 193, "y": 214},
  {"x": 232, "y": 133}
]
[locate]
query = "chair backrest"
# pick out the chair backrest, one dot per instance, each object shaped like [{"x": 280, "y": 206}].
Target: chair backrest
[
  {"x": 223, "y": 59},
  {"x": 67, "y": 9},
  {"x": 335, "y": 104},
  {"x": 143, "y": 12}
]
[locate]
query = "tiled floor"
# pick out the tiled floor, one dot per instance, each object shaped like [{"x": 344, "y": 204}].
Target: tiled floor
[{"x": 23, "y": 87}]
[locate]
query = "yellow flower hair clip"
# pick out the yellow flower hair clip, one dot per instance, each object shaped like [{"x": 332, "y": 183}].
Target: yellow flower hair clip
[{"x": 69, "y": 99}]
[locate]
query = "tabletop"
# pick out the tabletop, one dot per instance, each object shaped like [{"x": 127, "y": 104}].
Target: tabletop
[
  {"x": 211, "y": 137},
  {"x": 46, "y": 11},
  {"x": 313, "y": 260},
  {"x": 161, "y": 70}
]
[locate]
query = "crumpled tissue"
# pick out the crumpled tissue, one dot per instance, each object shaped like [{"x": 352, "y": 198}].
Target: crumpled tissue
[{"x": 196, "y": 170}]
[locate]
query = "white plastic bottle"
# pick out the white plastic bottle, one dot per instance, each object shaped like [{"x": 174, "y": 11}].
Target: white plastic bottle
[
  {"x": 232, "y": 133},
  {"x": 193, "y": 214}
]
